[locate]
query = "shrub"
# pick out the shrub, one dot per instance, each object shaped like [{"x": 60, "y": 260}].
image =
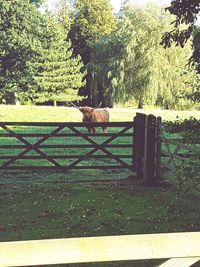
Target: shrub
[{"x": 189, "y": 129}]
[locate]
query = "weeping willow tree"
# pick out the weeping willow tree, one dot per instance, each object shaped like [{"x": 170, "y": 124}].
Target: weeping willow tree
[
  {"x": 130, "y": 65},
  {"x": 117, "y": 61},
  {"x": 59, "y": 73},
  {"x": 102, "y": 67},
  {"x": 91, "y": 21},
  {"x": 171, "y": 76}
]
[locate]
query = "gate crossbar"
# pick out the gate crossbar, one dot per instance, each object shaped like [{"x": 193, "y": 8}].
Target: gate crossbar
[
  {"x": 31, "y": 146},
  {"x": 38, "y": 146},
  {"x": 100, "y": 147}
]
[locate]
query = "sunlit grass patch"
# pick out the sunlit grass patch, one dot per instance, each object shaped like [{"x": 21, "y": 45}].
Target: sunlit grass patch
[
  {"x": 62, "y": 114},
  {"x": 61, "y": 204}
]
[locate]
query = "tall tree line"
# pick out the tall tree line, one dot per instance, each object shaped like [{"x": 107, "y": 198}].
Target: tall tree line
[
  {"x": 84, "y": 52},
  {"x": 36, "y": 56}
]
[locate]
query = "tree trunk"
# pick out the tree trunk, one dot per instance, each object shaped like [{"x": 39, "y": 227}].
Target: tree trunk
[
  {"x": 101, "y": 93},
  {"x": 16, "y": 100},
  {"x": 55, "y": 103},
  {"x": 140, "y": 103}
]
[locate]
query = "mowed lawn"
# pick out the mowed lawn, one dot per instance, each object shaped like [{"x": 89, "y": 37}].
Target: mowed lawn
[
  {"x": 62, "y": 114},
  {"x": 55, "y": 204}
]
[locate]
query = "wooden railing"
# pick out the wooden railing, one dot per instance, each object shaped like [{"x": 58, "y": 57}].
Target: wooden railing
[
  {"x": 183, "y": 249},
  {"x": 174, "y": 154},
  {"x": 64, "y": 146},
  {"x": 24, "y": 144}
]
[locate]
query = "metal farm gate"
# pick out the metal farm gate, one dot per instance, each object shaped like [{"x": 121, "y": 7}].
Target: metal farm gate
[{"x": 44, "y": 145}]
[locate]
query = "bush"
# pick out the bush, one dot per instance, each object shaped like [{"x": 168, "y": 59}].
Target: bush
[
  {"x": 187, "y": 176},
  {"x": 189, "y": 129}
]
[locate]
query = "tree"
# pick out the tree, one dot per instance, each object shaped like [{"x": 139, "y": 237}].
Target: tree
[
  {"x": 20, "y": 31},
  {"x": 91, "y": 20},
  {"x": 62, "y": 14},
  {"x": 171, "y": 76},
  {"x": 59, "y": 74},
  {"x": 37, "y": 3},
  {"x": 101, "y": 64},
  {"x": 131, "y": 64},
  {"x": 133, "y": 41},
  {"x": 186, "y": 12}
]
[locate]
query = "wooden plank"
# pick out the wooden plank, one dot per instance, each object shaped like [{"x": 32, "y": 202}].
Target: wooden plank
[
  {"x": 134, "y": 145},
  {"x": 139, "y": 144},
  {"x": 145, "y": 150},
  {"x": 173, "y": 139},
  {"x": 67, "y": 134},
  {"x": 177, "y": 143},
  {"x": 97, "y": 249},
  {"x": 116, "y": 158},
  {"x": 177, "y": 148},
  {"x": 158, "y": 150},
  {"x": 150, "y": 150},
  {"x": 66, "y": 168},
  {"x": 68, "y": 156},
  {"x": 99, "y": 147},
  {"x": 30, "y": 146},
  {"x": 68, "y": 124},
  {"x": 46, "y": 157},
  {"x": 168, "y": 148},
  {"x": 56, "y": 129},
  {"x": 178, "y": 156},
  {"x": 67, "y": 146},
  {"x": 180, "y": 262}
]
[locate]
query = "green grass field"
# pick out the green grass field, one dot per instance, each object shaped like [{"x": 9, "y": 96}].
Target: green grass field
[
  {"x": 54, "y": 204},
  {"x": 62, "y": 114}
]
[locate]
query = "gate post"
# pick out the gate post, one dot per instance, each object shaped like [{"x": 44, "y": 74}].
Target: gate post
[
  {"x": 149, "y": 150},
  {"x": 158, "y": 150},
  {"x": 138, "y": 153},
  {"x": 134, "y": 145}
]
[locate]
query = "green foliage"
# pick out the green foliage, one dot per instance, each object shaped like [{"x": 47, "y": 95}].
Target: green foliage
[
  {"x": 122, "y": 60},
  {"x": 131, "y": 64},
  {"x": 134, "y": 61},
  {"x": 62, "y": 14},
  {"x": 59, "y": 74},
  {"x": 20, "y": 29},
  {"x": 188, "y": 128},
  {"x": 186, "y": 12},
  {"x": 91, "y": 20},
  {"x": 38, "y": 3},
  {"x": 195, "y": 58},
  {"x": 187, "y": 176},
  {"x": 195, "y": 61},
  {"x": 102, "y": 62},
  {"x": 121, "y": 53},
  {"x": 35, "y": 47},
  {"x": 171, "y": 79},
  {"x": 94, "y": 18}
]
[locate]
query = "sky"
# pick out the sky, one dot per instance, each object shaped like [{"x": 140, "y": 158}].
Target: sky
[{"x": 116, "y": 3}]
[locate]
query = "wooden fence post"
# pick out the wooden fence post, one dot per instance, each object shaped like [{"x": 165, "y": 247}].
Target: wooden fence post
[
  {"x": 158, "y": 149},
  {"x": 134, "y": 145},
  {"x": 149, "y": 150},
  {"x": 138, "y": 155}
]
